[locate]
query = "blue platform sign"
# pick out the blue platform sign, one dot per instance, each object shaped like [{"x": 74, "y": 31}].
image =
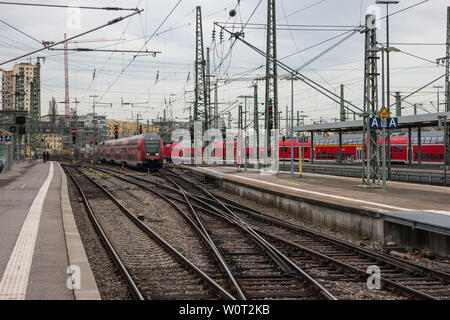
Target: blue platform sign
[
  {"x": 380, "y": 123},
  {"x": 303, "y": 139},
  {"x": 5, "y": 138}
]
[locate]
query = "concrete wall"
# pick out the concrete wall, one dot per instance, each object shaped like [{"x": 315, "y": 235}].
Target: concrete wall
[
  {"x": 406, "y": 237},
  {"x": 338, "y": 217}
]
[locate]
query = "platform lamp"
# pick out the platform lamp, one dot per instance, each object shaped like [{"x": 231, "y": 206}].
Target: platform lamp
[
  {"x": 292, "y": 79},
  {"x": 442, "y": 121},
  {"x": 383, "y": 148},
  {"x": 387, "y": 3}
]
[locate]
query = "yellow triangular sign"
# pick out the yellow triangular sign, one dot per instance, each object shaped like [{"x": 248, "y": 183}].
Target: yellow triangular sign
[{"x": 384, "y": 113}]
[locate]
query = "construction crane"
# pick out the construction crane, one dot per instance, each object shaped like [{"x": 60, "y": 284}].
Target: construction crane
[{"x": 66, "y": 67}]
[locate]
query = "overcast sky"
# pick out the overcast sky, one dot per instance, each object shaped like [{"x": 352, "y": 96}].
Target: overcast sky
[{"x": 423, "y": 24}]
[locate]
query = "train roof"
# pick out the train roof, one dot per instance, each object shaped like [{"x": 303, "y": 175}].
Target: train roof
[{"x": 146, "y": 136}]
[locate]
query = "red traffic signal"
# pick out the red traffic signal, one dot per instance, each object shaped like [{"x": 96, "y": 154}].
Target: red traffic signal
[
  {"x": 91, "y": 141},
  {"x": 74, "y": 131}
]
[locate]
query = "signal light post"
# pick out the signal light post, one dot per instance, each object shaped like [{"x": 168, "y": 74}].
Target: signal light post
[{"x": 74, "y": 141}]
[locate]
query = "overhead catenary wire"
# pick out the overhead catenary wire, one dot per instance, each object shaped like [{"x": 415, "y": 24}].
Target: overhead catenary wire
[
  {"x": 68, "y": 6},
  {"x": 111, "y": 22},
  {"x": 146, "y": 42},
  {"x": 316, "y": 86}
]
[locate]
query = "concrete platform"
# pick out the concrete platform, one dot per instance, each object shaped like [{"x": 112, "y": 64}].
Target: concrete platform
[
  {"x": 340, "y": 203},
  {"x": 41, "y": 254}
]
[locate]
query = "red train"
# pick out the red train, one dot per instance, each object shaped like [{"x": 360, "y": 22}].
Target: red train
[
  {"x": 143, "y": 151},
  {"x": 327, "y": 149}
]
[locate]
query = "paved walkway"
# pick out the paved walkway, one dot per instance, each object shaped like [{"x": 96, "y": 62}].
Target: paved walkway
[
  {"x": 345, "y": 191},
  {"x": 34, "y": 253}
]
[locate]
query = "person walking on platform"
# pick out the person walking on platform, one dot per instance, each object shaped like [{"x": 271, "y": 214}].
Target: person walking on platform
[
  {"x": 2, "y": 166},
  {"x": 48, "y": 156},
  {"x": 44, "y": 158}
]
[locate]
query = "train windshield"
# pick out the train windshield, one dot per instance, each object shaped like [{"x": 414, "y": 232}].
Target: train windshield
[{"x": 151, "y": 146}]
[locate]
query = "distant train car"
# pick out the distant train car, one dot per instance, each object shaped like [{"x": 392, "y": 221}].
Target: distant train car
[
  {"x": 142, "y": 151},
  {"x": 353, "y": 150}
]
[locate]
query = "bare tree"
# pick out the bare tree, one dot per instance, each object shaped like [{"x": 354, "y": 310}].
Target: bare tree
[{"x": 52, "y": 110}]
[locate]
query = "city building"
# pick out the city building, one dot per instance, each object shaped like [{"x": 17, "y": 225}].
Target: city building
[
  {"x": 17, "y": 87},
  {"x": 128, "y": 128}
]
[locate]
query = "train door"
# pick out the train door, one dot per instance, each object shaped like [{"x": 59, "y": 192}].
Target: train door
[{"x": 359, "y": 154}]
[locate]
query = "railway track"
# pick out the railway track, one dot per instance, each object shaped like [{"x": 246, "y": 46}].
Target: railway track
[
  {"x": 407, "y": 278},
  {"x": 258, "y": 269},
  {"x": 152, "y": 267},
  {"x": 318, "y": 253}
]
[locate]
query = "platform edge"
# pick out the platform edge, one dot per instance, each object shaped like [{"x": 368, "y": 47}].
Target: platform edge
[{"x": 75, "y": 250}]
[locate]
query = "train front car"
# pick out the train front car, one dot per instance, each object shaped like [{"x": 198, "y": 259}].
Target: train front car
[{"x": 153, "y": 151}]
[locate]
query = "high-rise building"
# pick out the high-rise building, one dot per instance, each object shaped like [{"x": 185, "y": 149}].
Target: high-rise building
[{"x": 17, "y": 87}]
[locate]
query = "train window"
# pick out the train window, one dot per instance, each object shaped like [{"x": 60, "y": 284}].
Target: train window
[
  {"x": 325, "y": 142},
  {"x": 415, "y": 140},
  {"x": 350, "y": 141},
  {"x": 360, "y": 141},
  {"x": 433, "y": 139},
  {"x": 345, "y": 141},
  {"x": 133, "y": 142},
  {"x": 422, "y": 139},
  {"x": 427, "y": 139},
  {"x": 440, "y": 139}
]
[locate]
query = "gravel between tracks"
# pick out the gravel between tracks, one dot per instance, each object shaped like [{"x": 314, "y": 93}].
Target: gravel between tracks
[
  {"x": 107, "y": 276},
  {"x": 437, "y": 263}
]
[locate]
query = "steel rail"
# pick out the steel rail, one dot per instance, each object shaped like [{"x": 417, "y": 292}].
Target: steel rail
[
  {"x": 405, "y": 265},
  {"x": 211, "y": 242},
  {"x": 200, "y": 230},
  {"x": 408, "y": 267},
  {"x": 123, "y": 270},
  {"x": 274, "y": 253},
  {"x": 171, "y": 250},
  {"x": 278, "y": 256}
]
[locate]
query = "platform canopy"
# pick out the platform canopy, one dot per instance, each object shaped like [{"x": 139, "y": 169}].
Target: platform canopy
[{"x": 422, "y": 120}]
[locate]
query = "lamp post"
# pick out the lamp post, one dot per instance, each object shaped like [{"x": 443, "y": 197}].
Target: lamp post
[
  {"x": 245, "y": 128},
  {"x": 383, "y": 129},
  {"x": 292, "y": 78},
  {"x": 387, "y": 3}
]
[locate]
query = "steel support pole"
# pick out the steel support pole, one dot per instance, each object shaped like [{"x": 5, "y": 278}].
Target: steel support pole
[
  {"x": 292, "y": 126},
  {"x": 383, "y": 132},
  {"x": 409, "y": 146},
  {"x": 419, "y": 145},
  {"x": 245, "y": 133},
  {"x": 388, "y": 87}
]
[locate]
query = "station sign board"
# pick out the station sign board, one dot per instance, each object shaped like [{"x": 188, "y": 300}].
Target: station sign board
[
  {"x": 386, "y": 123},
  {"x": 5, "y": 137},
  {"x": 303, "y": 138}
]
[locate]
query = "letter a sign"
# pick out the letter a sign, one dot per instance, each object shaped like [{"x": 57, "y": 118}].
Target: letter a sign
[{"x": 375, "y": 124}]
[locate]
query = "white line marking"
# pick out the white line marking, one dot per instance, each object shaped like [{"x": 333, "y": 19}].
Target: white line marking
[
  {"x": 15, "y": 278},
  {"x": 318, "y": 193}
]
